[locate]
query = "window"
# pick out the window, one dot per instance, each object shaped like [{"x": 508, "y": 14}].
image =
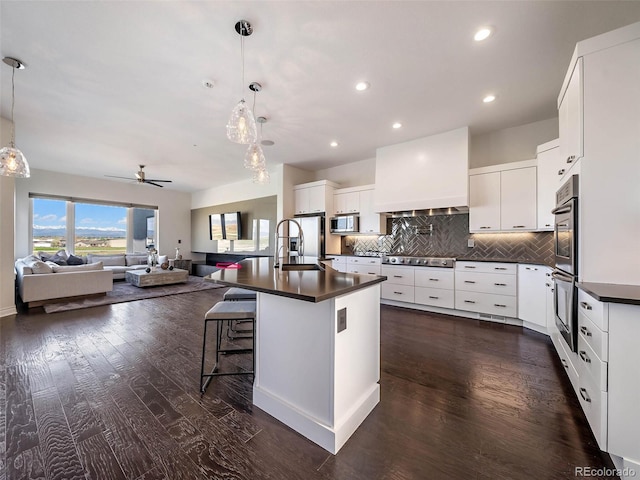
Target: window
[
  {"x": 84, "y": 226},
  {"x": 49, "y": 225}
]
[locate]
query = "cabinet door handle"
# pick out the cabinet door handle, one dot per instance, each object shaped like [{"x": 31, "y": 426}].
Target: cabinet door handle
[
  {"x": 469, "y": 281},
  {"x": 485, "y": 227},
  {"x": 518, "y": 226},
  {"x": 564, "y": 363},
  {"x": 547, "y": 224},
  {"x": 434, "y": 279},
  {"x": 498, "y": 305},
  {"x": 586, "y": 306},
  {"x": 547, "y": 284},
  {"x": 469, "y": 266},
  {"x": 499, "y": 268},
  {"x": 571, "y": 158},
  {"x": 435, "y": 298},
  {"x": 585, "y": 331},
  {"x": 469, "y": 301},
  {"x": 398, "y": 293},
  {"x": 584, "y": 395},
  {"x": 583, "y": 355},
  {"x": 500, "y": 284},
  {"x": 561, "y": 171}
]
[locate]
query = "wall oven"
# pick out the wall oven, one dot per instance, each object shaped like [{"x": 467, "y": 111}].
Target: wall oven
[{"x": 565, "y": 275}]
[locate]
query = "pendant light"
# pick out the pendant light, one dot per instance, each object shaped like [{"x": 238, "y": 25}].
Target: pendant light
[
  {"x": 261, "y": 176},
  {"x": 12, "y": 161},
  {"x": 254, "y": 158},
  {"x": 241, "y": 127}
]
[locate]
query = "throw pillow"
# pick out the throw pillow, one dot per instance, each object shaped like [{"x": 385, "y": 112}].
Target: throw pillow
[
  {"x": 78, "y": 268},
  {"x": 36, "y": 265},
  {"x": 73, "y": 260},
  {"x": 60, "y": 257},
  {"x": 136, "y": 259}
]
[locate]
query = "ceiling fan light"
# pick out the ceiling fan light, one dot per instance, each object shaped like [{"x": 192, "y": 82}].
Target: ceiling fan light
[
  {"x": 13, "y": 163},
  {"x": 241, "y": 127},
  {"x": 254, "y": 158}
]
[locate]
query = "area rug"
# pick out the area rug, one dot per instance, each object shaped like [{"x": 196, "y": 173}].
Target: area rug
[{"x": 125, "y": 292}]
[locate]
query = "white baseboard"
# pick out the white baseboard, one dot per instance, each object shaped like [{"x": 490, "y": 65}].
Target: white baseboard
[
  {"x": 329, "y": 438},
  {"x": 8, "y": 310}
]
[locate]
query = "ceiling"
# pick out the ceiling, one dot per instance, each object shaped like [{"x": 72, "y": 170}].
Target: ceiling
[{"x": 110, "y": 85}]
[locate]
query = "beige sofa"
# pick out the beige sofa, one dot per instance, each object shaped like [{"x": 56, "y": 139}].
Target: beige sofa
[
  {"x": 119, "y": 264},
  {"x": 68, "y": 281}
]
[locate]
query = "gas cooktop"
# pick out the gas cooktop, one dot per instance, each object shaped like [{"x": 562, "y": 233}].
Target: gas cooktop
[{"x": 443, "y": 262}]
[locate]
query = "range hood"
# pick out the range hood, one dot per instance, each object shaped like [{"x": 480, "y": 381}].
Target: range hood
[{"x": 430, "y": 212}]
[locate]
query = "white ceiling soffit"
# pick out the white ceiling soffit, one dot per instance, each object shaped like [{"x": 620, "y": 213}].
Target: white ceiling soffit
[{"x": 110, "y": 85}]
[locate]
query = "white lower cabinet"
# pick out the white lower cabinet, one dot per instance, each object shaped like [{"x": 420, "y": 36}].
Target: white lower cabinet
[
  {"x": 399, "y": 292},
  {"x": 532, "y": 292},
  {"x": 434, "y": 287},
  {"x": 486, "y": 287},
  {"x": 364, "y": 265}
]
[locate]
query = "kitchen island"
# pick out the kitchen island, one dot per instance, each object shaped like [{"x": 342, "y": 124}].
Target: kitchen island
[{"x": 317, "y": 345}]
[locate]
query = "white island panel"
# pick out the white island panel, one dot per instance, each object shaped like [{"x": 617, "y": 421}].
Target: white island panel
[{"x": 319, "y": 382}]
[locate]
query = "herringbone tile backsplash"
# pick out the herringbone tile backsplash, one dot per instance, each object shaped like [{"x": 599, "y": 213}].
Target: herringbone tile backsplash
[{"x": 447, "y": 235}]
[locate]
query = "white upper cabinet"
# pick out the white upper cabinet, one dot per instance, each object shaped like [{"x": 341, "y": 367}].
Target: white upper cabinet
[
  {"x": 503, "y": 198},
  {"x": 518, "y": 199},
  {"x": 570, "y": 117},
  {"x": 484, "y": 202},
  {"x": 313, "y": 197},
  {"x": 371, "y": 222},
  {"x": 346, "y": 202},
  {"x": 551, "y": 168}
]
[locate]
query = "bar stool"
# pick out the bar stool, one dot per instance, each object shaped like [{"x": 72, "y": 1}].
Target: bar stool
[
  {"x": 223, "y": 312},
  {"x": 235, "y": 294}
]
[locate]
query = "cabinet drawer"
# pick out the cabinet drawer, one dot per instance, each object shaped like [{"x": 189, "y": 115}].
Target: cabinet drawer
[
  {"x": 402, "y": 293},
  {"x": 486, "y": 303},
  {"x": 436, "y": 297},
  {"x": 596, "y": 338},
  {"x": 566, "y": 359},
  {"x": 487, "y": 267},
  {"x": 399, "y": 275},
  {"x": 594, "y": 309},
  {"x": 590, "y": 364},
  {"x": 487, "y": 283},
  {"x": 363, "y": 260},
  {"x": 594, "y": 404},
  {"x": 365, "y": 269},
  {"x": 434, "y": 277}
]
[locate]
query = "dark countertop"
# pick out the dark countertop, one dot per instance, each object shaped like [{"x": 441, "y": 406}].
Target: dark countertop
[
  {"x": 259, "y": 274},
  {"x": 612, "y": 293},
  {"x": 525, "y": 261}
]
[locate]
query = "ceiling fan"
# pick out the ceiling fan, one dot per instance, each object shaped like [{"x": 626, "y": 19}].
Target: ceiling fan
[{"x": 140, "y": 178}]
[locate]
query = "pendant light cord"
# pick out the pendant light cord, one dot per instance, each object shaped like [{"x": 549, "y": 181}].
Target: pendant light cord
[
  {"x": 242, "y": 57},
  {"x": 13, "y": 101}
]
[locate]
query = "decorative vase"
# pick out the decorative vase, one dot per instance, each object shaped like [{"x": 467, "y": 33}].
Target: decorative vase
[{"x": 178, "y": 255}]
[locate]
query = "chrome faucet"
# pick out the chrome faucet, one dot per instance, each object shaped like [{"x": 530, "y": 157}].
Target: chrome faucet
[{"x": 299, "y": 240}]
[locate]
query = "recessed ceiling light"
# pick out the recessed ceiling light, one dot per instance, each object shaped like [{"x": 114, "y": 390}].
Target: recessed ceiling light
[
  {"x": 362, "y": 86},
  {"x": 397, "y": 125},
  {"x": 207, "y": 83},
  {"x": 489, "y": 98},
  {"x": 483, "y": 33},
  {"x": 334, "y": 144}
]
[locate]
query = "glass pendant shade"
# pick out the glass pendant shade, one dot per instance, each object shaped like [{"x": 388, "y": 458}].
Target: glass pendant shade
[
  {"x": 254, "y": 158},
  {"x": 261, "y": 176},
  {"x": 13, "y": 163},
  {"x": 241, "y": 127}
]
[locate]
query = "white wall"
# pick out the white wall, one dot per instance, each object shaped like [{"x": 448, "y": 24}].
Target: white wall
[
  {"x": 7, "y": 190},
  {"x": 350, "y": 175},
  {"x": 511, "y": 144},
  {"x": 174, "y": 217}
]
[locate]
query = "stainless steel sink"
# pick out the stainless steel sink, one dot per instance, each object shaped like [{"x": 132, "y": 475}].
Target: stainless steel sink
[{"x": 285, "y": 267}]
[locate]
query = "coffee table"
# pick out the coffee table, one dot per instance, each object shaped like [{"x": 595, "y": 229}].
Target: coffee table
[{"x": 140, "y": 278}]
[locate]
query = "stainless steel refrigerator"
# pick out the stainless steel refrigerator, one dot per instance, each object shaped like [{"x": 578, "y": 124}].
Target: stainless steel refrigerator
[{"x": 313, "y": 228}]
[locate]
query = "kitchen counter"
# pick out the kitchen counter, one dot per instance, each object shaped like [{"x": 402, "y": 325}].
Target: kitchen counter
[
  {"x": 259, "y": 274},
  {"x": 613, "y": 293},
  {"x": 317, "y": 345},
  {"x": 503, "y": 260}
]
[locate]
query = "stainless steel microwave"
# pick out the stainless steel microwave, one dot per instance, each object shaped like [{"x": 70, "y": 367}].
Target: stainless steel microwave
[{"x": 345, "y": 224}]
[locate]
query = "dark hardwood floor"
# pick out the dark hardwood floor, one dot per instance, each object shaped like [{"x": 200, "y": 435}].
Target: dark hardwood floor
[{"x": 112, "y": 393}]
